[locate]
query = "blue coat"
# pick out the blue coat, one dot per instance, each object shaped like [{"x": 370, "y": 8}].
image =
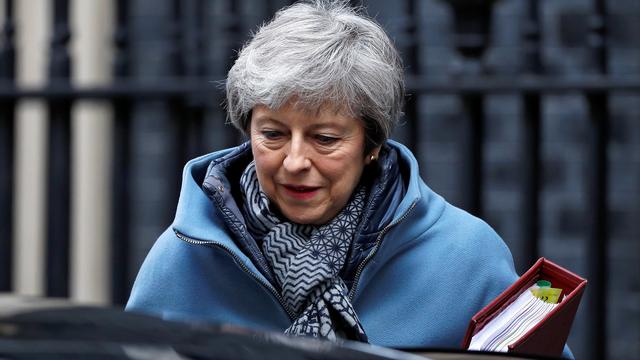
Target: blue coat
[{"x": 418, "y": 271}]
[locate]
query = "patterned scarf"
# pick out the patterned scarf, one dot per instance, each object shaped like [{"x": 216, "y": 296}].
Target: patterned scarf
[{"x": 306, "y": 261}]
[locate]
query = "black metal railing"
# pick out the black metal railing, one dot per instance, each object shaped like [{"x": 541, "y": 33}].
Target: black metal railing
[
  {"x": 598, "y": 241},
  {"x": 59, "y": 164},
  {"x": 185, "y": 90},
  {"x": 7, "y": 109},
  {"x": 121, "y": 117}
]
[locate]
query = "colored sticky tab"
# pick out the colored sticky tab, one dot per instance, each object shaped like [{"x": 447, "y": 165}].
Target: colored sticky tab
[
  {"x": 543, "y": 283},
  {"x": 547, "y": 294}
]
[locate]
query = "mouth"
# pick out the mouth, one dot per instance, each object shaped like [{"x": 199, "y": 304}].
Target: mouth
[{"x": 300, "y": 191}]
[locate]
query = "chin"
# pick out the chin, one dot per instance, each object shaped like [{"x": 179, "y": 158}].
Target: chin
[{"x": 303, "y": 219}]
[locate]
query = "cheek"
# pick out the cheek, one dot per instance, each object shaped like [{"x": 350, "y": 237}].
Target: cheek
[
  {"x": 345, "y": 172},
  {"x": 262, "y": 162},
  {"x": 261, "y": 154},
  {"x": 267, "y": 165}
]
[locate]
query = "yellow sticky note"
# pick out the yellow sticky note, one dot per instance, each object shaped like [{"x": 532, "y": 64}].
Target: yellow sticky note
[{"x": 547, "y": 294}]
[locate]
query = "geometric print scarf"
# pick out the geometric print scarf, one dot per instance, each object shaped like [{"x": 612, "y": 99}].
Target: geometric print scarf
[{"x": 306, "y": 260}]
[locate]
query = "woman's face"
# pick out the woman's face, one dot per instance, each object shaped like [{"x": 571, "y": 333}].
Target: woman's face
[{"x": 307, "y": 164}]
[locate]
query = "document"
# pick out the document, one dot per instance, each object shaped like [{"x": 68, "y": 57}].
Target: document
[
  {"x": 532, "y": 316},
  {"x": 516, "y": 320}
]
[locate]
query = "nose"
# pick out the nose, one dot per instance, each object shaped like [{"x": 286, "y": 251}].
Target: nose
[{"x": 297, "y": 158}]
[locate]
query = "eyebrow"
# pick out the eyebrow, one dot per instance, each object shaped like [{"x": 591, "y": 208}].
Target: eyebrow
[
  {"x": 263, "y": 117},
  {"x": 328, "y": 124},
  {"x": 325, "y": 124}
]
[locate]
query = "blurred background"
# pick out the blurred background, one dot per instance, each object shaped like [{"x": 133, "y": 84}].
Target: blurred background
[{"x": 523, "y": 112}]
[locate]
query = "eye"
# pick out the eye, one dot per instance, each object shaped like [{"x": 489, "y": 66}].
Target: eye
[
  {"x": 271, "y": 134},
  {"x": 326, "y": 140}
]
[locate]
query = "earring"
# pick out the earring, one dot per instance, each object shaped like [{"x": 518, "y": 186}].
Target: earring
[{"x": 373, "y": 158}]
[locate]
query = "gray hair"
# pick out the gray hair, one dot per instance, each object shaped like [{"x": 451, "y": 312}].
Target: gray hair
[{"x": 317, "y": 53}]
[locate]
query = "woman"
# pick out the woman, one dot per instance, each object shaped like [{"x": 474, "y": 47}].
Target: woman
[{"x": 319, "y": 225}]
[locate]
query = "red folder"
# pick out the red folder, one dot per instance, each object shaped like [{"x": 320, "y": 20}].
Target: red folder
[{"x": 549, "y": 336}]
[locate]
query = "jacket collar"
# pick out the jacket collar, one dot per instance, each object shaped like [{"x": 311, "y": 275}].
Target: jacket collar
[
  {"x": 395, "y": 186},
  {"x": 196, "y": 216},
  {"x": 410, "y": 173}
]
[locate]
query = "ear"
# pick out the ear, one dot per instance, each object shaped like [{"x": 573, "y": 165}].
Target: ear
[{"x": 372, "y": 155}]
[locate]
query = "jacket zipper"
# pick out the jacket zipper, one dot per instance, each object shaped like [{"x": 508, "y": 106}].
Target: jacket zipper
[
  {"x": 219, "y": 202},
  {"x": 238, "y": 261},
  {"x": 375, "y": 250}
]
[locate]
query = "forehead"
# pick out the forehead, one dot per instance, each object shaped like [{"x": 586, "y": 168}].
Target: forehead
[{"x": 295, "y": 115}]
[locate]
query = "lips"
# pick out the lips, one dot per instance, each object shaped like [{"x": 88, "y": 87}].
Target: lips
[
  {"x": 300, "y": 191},
  {"x": 300, "y": 188}
]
